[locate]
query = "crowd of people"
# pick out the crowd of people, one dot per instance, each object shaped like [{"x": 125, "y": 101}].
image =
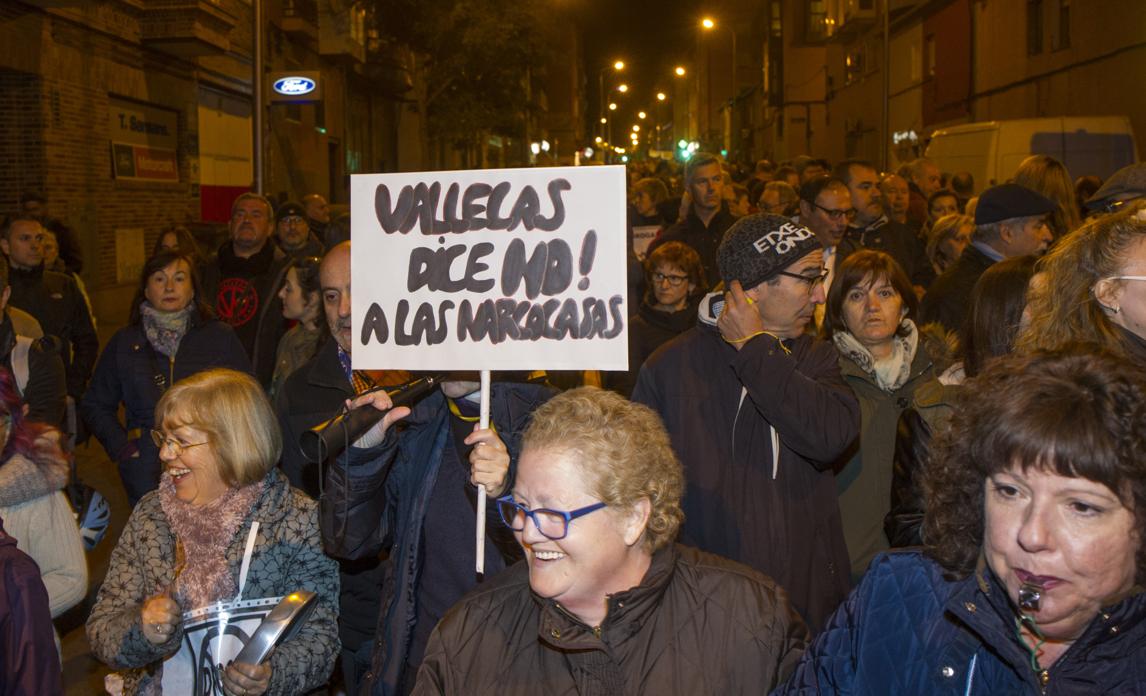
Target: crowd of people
[{"x": 880, "y": 434}]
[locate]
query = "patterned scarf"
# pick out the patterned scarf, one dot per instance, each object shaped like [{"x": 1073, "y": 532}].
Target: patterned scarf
[
  {"x": 892, "y": 372},
  {"x": 164, "y": 330},
  {"x": 205, "y": 532}
]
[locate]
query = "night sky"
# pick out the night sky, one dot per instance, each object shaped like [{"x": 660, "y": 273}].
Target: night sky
[{"x": 651, "y": 36}]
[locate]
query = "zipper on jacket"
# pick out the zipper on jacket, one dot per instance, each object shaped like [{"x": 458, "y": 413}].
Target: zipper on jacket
[{"x": 170, "y": 371}]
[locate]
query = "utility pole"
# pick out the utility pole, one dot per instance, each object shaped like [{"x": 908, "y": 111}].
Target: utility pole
[{"x": 257, "y": 82}]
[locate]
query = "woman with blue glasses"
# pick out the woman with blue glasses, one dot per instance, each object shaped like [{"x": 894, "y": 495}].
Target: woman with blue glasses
[{"x": 604, "y": 601}]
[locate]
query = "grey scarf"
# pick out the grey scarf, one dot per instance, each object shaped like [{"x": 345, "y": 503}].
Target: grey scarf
[
  {"x": 165, "y": 330},
  {"x": 892, "y": 372}
]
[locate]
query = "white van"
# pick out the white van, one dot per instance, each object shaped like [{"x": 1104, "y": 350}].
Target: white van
[{"x": 992, "y": 150}]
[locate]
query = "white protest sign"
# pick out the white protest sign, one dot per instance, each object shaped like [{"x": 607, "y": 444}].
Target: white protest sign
[{"x": 497, "y": 269}]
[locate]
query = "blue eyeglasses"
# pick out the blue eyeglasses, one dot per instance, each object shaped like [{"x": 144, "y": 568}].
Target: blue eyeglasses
[{"x": 553, "y": 524}]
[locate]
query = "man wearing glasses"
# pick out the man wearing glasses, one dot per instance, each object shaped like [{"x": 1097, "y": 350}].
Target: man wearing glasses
[
  {"x": 873, "y": 229},
  {"x": 826, "y": 209},
  {"x": 758, "y": 412},
  {"x": 410, "y": 493},
  {"x": 293, "y": 232}
]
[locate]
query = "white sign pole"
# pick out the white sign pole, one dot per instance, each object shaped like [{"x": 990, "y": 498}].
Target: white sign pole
[{"x": 483, "y": 423}]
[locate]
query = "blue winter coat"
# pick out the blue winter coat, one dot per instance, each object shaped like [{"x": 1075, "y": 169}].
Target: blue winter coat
[
  {"x": 908, "y": 630},
  {"x": 376, "y": 500},
  {"x": 130, "y": 371}
]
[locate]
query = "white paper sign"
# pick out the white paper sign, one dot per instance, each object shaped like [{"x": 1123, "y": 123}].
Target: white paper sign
[
  {"x": 496, "y": 269},
  {"x": 212, "y": 637}
]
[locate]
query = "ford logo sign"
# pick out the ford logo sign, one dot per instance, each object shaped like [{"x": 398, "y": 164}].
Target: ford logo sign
[{"x": 295, "y": 86}]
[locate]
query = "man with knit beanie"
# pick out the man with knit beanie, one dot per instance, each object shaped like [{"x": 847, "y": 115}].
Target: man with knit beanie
[{"x": 758, "y": 413}]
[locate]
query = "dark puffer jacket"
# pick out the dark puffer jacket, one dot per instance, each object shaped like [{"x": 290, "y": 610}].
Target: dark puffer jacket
[
  {"x": 908, "y": 630},
  {"x": 697, "y": 624}
]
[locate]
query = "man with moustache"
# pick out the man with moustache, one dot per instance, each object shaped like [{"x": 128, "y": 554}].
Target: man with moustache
[
  {"x": 311, "y": 395},
  {"x": 242, "y": 282},
  {"x": 758, "y": 412},
  {"x": 411, "y": 494},
  {"x": 708, "y": 216},
  {"x": 872, "y": 229}
]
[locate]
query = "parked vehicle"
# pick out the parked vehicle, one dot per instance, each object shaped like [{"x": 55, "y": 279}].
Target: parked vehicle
[{"x": 992, "y": 150}]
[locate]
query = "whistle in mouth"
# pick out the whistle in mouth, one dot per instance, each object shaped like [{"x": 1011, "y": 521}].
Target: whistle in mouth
[{"x": 1029, "y": 596}]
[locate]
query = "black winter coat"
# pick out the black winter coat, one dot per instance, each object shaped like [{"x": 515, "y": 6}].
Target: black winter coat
[
  {"x": 724, "y": 409},
  {"x": 131, "y": 372},
  {"x": 898, "y": 241},
  {"x": 949, "y": 297},
  {"x": 696, "y": 624},
  {"x": 56, "y": 302},
  {"x": 704, "y": 240},
  {"x": 649, "y": 329}
]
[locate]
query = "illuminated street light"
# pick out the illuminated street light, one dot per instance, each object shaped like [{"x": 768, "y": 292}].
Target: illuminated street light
[
  {"x": 619, "y": 65},
  {"x": 707, "y": 23},
  {"x": 661, "y": 96},
  {"x": 604, "y": 120},
  {"x": 679, "y": 71},
  {"x": 622, "y": 88},
  {"x": 597, "y": 140},
  {"x": 636, "y": 128},
  {"x": 612, "y": 106},
  {"x": 641, "y": 114}
]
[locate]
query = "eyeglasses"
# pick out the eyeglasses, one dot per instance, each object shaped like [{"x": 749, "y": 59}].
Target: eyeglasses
[
  {"x": 837, "y": 215},
  {"x": 160, "y": 439},
  {"x": 673, "y": 280},
  {"x": 553, "y": 524},
  {"x": 812, "y": 281},
  {"x": 293, "y": 220}
]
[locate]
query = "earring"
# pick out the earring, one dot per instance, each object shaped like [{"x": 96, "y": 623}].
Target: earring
[{"x": 1114, "y": 310}]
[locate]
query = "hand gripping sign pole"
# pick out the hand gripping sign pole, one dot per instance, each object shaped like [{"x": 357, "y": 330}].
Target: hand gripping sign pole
[{"x": 508, "y": 269}]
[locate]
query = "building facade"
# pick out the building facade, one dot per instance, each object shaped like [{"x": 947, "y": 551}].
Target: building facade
[{"x": 133, "y": 115}]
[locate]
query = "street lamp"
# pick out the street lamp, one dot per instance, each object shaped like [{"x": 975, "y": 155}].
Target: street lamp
[
  {"x": 617, "y": 66},
  {"x": 622, "y": 88},
  {"x": 641, "y": 115},
  {"x": 636, "y": 128},
  {"x": 604, "y": 120},
  {"x": 680, "y": 71},
  {"x": 612, "y": 106},
  {"x": 661, "y": 96},
  {"x": 708, "y": 24}
]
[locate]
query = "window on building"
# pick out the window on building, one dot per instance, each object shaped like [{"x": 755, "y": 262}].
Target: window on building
[
  {"x": 816, "y": 21},
  {"x": 1060, "y": 26},
  {"x": 854, "y": 63},
  {"x": 1034, "y": 27},
  {"x": 929, "y": 55}
]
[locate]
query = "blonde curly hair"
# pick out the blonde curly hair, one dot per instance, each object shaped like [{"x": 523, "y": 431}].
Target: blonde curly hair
[{"x": 623, "y": 449}]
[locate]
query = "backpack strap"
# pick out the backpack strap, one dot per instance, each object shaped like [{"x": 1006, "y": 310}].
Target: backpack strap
[{"x": 20, "y": 362}]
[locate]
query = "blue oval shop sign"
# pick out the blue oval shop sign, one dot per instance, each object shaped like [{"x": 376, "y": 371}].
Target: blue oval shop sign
[{"x": 294, "y": 86}]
